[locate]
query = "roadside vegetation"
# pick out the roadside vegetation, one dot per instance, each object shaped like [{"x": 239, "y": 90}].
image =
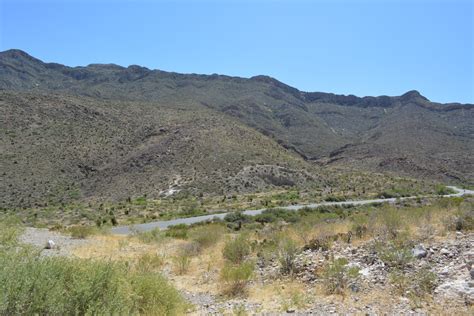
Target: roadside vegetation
[
  {"x": 262, "y": 258},
  {"x": 141, "y": 209},
  {"x": 34, "y": 285}
]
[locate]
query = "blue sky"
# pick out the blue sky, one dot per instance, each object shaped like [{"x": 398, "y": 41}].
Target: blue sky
[{"x": 348, "y": 47}]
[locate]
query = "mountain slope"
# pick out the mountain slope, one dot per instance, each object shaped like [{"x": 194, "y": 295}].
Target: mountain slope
[
  {"x": 61, "y": 146},
  {"x": 121, "y": 110}
]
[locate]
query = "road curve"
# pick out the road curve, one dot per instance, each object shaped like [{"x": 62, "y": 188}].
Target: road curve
[{"x": 126, "y": 230}]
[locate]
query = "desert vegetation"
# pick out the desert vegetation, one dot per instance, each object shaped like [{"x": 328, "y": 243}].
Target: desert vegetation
[
  {"x": 31, "y": 284},
  {"x": 277, "y": 261}
]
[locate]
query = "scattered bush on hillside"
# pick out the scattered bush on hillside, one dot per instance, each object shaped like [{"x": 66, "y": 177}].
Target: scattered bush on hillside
[
  {"x": 207, "y": 236},
  {"x": 35, "y": 285},
  {"x": 287, "y": 252},
  {"x": 237, "y": 250},
  {"x": 153, "y": 236},
  {"x": 416, "y": 286},
  {"x": 236, "y": 277},
  {"x": 149, "y": 262},
  {"x": 178, "y": 231},
  {"x": 443, "y": 190},
  {"x": 395, "y": 254},
  {"x": 10, "y": 231},
  {"x": 82, "y": 231},
  {"x": 337, "y": 276},
  {"x": 463, "y": 220}
]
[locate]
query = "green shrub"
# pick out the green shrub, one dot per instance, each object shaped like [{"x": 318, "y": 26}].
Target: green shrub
[
  {"x": 237, "y": 250},
  {"x": 462, "y": 221},
  {"x": 395, "y": 254},
  {"x": 399, "y": 281},
  {"x": 414, "y": 285},
  {"x": 34, "y": 285},
  {"x": 207, "y": 235},
  {"x": 182, "y": 260},
  {"x": 287, "y": 252},
  {"x": 333, "y": 198},
  {"x": 443, "y": 190},
  {"x": 425, "y": 281},
  {"x": 149, "y": 262},
  {"x": 337, "y": 276},
  {"x": 178, "y": 231},
  {"x": 236, "y": 277},
  {"x": 273, "y": 215},
  {"x": 153, "y": 295},
  {"x": 10, "y": 231},
  {"x": 152, "y": 236},
  {"x": 81, "y": 231},
  {"x": 391, "y": 221}
]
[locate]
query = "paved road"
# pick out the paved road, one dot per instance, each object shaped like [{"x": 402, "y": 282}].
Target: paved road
[{"x": 126, "y": 230}]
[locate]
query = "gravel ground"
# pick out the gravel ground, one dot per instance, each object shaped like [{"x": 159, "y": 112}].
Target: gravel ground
[{"x": 38, "y": 238}]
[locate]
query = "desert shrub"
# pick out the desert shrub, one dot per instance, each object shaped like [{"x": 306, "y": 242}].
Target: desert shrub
[
  {"x": 207, "y": 235},
  {"x": 443, "y": 190},
  {"x": 152, "y": 236},
  {"x": 265, "y": 217},
  {"x": 34, "y": 285},
  {"x": 273, "y": 215},
  {"x": 82, "y": 231},
  {"x": 235, "y": 217},
  {"x": 287, "y": 252},
  {"x": 182, "y": 259},
  {"x": 414, "y": 285},
  {"x": 337, "y": 276},
  {"x": 153, "y": 295},
  {"x": 425, "y": 281},
  {"x": 359, "y": 225},
  {"x": 150, "y": 262},
  {"x": 462, "y": 220},
  {"x": 237, "y": 277},
  {"x": 395, "y": 193},
  {"x": 237, "y": 250},
  {"x": 395, "y": 254},
  {"x": 178, "y": 231},
  {"x": 10, "y": 231},
  {"x": 390, "y": 222},
  {"x": 295, "y": 298},
  {"x": 319, "y": 243},
  {"x": 334, "y": 198},
  {"x": 400, "y": 281}
]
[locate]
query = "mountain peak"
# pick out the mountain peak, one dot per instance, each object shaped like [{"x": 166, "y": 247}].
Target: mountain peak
[
  {"x": 412, "y": 95},
  {"x": 17, "y": 54}
]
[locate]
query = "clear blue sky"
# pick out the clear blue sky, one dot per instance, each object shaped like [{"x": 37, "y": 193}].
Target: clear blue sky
[{"x": 349, "y": 47}]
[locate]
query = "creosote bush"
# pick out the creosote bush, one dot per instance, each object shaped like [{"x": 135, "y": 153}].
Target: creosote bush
[
  {"x": 82, "y": 232},
  {"x": 237, "y": 250},
  {"x": 416, "y": 285},
  {"x": 208, "y": 235},
  {"x": 395, "y": 254},
  {"x": 337, "y": 275},
  {"x": 178, "y": 231},
  {"x": 237, "y": 277},
  {"x": 287, "y": 252},
  {"x": 150, "y": 262},
  {"x": 34, "y": 285}
]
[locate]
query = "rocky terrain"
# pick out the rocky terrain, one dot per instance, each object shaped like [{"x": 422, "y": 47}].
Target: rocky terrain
[{"x": 451, "y": 260}]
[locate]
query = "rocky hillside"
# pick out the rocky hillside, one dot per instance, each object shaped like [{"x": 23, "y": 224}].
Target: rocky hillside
[{"x": 105, "y": 122}]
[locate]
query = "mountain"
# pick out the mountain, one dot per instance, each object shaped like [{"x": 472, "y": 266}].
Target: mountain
[{"x": 119, "y": 130}]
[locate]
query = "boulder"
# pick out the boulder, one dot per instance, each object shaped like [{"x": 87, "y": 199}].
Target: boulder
[
  {"x": 50, "y": 244},
  {"x": 419, "y": 251}
]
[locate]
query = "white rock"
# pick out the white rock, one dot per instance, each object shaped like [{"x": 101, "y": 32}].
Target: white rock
[{"x": 50, "y": 244}]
